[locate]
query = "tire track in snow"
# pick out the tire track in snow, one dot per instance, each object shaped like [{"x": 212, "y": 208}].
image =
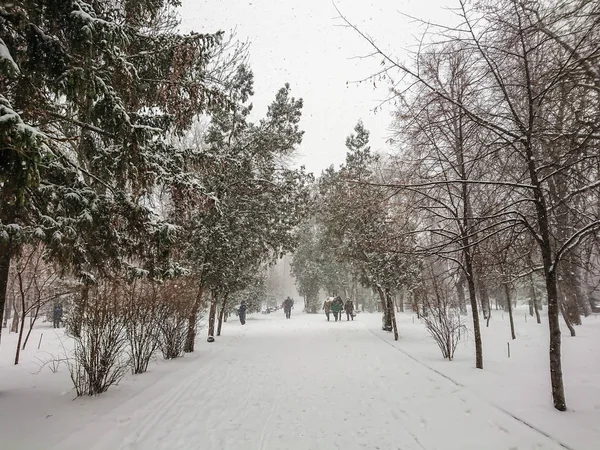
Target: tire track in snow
[{"x": 456, "y": 383}]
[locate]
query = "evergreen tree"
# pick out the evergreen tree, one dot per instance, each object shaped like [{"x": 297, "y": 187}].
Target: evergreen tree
[
  {"x": 255, "y": 201},
  {"x": 362, "y": 226},
  {"x": 89, "y": 90}
]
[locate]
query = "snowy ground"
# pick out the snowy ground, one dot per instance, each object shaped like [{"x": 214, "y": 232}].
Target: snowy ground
[{"x": 308, "y": 384}]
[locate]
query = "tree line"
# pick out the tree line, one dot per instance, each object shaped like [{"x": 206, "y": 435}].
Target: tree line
[
  {"x": 493, "y": 185},
  {"x": 132, "y": 172}
]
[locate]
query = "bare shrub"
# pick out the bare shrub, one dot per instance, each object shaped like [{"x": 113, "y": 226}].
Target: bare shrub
[
  {"x": 143, "y": 322},
  {"x": 445, "y": 326},
  {"x": 53, "y": 362},
  {"x": 441, "y": 317},
  {"x": 100, "y": 347},
  {"x": 175, "y": 298}
]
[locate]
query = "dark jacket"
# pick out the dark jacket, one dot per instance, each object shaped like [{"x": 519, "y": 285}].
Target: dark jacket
[
  {"x": 58, "y": 311},
  {"x": 288, "y": 303},
  {"x": 337, "y": 305}
]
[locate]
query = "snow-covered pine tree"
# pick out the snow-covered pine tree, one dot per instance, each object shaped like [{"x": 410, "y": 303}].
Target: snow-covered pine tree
[
  {"x": 307, "y": 265},
  {"x": 88, "y": 92},
  {"x": 256, "y": 201},
  {"x": 363, "y": 226}
]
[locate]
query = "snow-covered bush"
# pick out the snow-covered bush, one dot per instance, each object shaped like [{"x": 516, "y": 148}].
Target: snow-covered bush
[{"x": 100, "y": 357}]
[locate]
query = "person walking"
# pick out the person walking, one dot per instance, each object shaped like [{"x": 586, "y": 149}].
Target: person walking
[
  {"x": 288, "y": 304},
  {"x": 349, "y": 308},
  {"x": 242, "y": 312},
  {"x": 57, "y": 315},
  {"x": 336, "y": 306},
  {"x": 327, "y": 307}
]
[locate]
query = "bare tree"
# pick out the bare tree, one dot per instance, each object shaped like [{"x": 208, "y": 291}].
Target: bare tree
[
  {"x": 522, "y": 63},
  {"x": 33, "y": 284}
]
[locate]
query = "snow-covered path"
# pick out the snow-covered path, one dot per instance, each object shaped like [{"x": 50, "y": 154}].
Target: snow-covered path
[{"x": 306, "y": 384}]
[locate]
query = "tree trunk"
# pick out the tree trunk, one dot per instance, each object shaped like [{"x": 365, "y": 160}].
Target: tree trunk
[
  {"x": 392, "y": 312},
  {"x": 190, "y": 338},
  {"x": 7, "y": 310},
  {"x": 505, "y": 298},
  {"x": 5, "y": 257},
  {"x": 530, "y": 304},
  {"x": 558, "y": 390},
  {"x": 19, "y": 340},
  {"x": 582, "y": 293},
  {"x": 211, "y": 317},
  {"x": 386, "y": 319},
  {"x": 510, "y": 310},
  {"x": 23, "y": 314},
  {"x": 484, "y": 297},
  {"x": 569, "y": 302},
  {"x": 460, "y": 292},
  {"x": 536, "y": 305},
  {"x": 31, "y": 324},
  {"x": 475, "y": 314},
  {"x": 222, "y": 314},
  {"x": 401, "y": 300},
  {"x": 79, "y": 310},
  {"x": 14, "y": 328},
  {"x": 566, "y": 316}
]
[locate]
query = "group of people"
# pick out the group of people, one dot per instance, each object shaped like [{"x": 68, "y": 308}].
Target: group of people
[
  {"x": 241, "y": 310},
  {"x": 336, "y": 305},
  {"x": 333, "y": 305}
]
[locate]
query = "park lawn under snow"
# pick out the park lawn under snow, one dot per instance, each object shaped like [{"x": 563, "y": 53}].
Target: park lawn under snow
[
  {"x": 305, "y": 383},
  {"x": 520, "y": 385}
]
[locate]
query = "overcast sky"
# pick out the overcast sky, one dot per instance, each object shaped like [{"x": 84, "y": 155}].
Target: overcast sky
[{"x": 302, "y": 42}]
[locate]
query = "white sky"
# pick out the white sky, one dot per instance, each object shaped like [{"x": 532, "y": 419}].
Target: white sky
[{"x": 301, "y": 42}]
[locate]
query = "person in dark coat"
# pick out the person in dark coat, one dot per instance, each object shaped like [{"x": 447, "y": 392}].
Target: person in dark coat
[
  {"x": 336, "y": 306},
  {"x": 288, "y": 304},
  {"x": 242, "y": 312},
  {"x": 57, "y": 314},
  {"x": 349, "y": 308}
]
